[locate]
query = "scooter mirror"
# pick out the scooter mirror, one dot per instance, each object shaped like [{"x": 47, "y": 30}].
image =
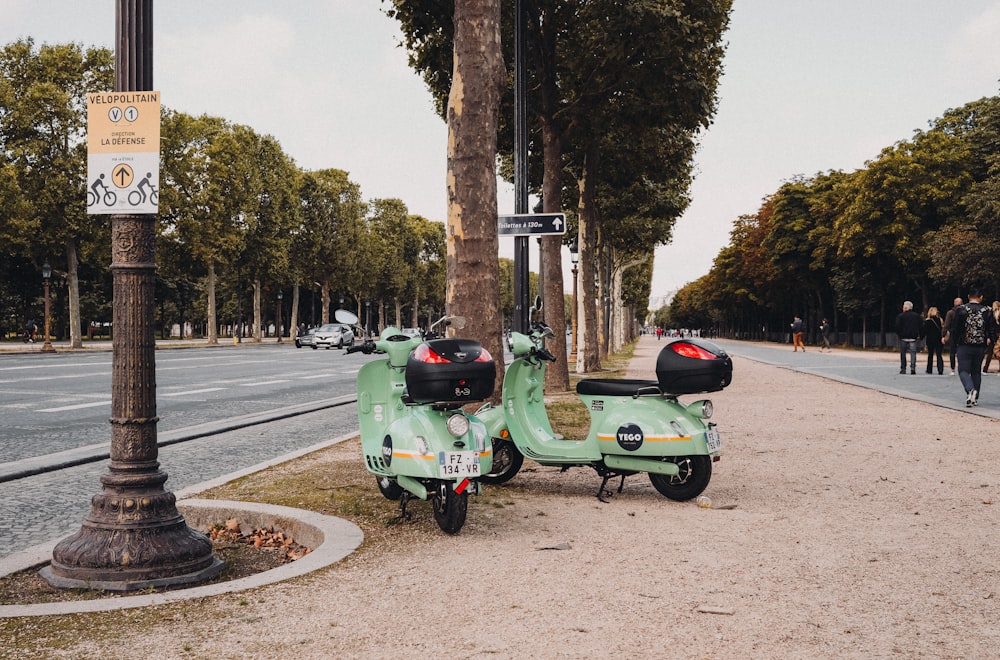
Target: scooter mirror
[
  {"x": 345, "y": 317},
  {"x": 538, "y": 303},
  {"x": 457, "y": 322}
]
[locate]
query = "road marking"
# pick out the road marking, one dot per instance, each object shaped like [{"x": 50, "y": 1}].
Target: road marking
[
  {"x": 316, "y": 376},
  {"x": 77, "y": 406},
  {"x": 186, "y": 392},
  {"x": 264, "y": 382}
]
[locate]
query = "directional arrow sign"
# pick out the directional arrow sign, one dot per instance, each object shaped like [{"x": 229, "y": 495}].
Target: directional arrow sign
[{"x": 532, "y": 224}]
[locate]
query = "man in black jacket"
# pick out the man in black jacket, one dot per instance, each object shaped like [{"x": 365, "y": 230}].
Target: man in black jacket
[
  {"x": 910, "y": 330},
  {"x": 974, "y": 332}
]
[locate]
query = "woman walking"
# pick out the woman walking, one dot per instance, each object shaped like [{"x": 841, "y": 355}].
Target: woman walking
[
  {"x": 932, "y": 333},
  {"x": 991, "y": 351}
]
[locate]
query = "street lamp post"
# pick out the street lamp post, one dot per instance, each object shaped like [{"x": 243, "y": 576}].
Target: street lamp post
[
  {"x": 574, "y": 255},
  {"x": 134, "y": 537},
  {"x": 368, "y": 317},
  {"x": 46, "y": 276},
  {"x": 279, "y": 317}
]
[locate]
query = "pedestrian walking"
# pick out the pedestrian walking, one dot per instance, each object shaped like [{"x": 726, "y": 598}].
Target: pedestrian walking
[
  {"x": 975, "y": 332},
  {"x": 797, "y": 332},
  {"x": 909, "y": 330},
  {"x": 933, "y": 331},
  {"x": 824, "y": 329},
  {"x": 992, "y": 352},
  {"x": 949, "y": 336}
]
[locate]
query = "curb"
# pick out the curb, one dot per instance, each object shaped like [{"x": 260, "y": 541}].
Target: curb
[{"x": 331, "y": 539}]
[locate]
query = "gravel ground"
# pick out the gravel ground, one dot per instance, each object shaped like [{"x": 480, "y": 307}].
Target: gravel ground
[{"x": 861, "y": 526}]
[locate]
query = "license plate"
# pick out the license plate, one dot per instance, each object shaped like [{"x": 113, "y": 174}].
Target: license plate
[
  {"x": 455, "y": 464},
  {"x": 713, "y": 439}
]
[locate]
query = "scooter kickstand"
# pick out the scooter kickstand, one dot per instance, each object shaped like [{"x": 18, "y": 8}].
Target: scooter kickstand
[
  {"x": 403, "y": 513},
  {"x": 603, "y": 491}
]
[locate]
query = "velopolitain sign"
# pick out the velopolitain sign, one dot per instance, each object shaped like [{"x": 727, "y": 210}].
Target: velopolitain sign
[
  {"x": 532, "y": 224},
  {"x": 123, "y": 152}
]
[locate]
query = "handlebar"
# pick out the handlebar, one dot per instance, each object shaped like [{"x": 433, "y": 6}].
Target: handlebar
[
  {"x": 367, "y": 347},
  {"x": 544, "y": 354}
]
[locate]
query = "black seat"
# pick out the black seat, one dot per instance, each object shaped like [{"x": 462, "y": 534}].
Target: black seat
[{"x": 617, "y": 387}]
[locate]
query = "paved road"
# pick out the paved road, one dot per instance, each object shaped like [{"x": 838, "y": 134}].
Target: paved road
[
  {"x": 877, "y": 371},
  {"x": 55, "y": 411}
]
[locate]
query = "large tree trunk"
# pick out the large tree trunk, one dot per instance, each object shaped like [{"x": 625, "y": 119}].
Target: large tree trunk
[
  {"x": 73, "y": 286},
  {"x": 473, "y": 106},
  {"x": 557, "y": 375},
  {"x": 213, "y": 321},
  {"x": 588, "y": 357}
]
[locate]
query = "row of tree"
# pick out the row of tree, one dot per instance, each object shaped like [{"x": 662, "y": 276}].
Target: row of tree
[
  {"x": 239, "y": 221},
  {"x": 920, "y": 222},
  {"x": 618, "y": 92}
]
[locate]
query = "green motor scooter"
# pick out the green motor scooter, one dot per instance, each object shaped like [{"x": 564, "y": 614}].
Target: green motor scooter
[
  {"x": 415, "y": 437},
  {"x": 636, "y": 426}
]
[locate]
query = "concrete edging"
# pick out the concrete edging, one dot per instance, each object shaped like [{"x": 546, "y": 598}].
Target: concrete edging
[{"x": 331, "y": 538}]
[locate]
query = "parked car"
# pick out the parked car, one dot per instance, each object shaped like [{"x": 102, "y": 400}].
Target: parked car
[
  {"x": 308, "y": 338},
  {"x": 411, "y": 332},
  {"x": 333, "y": 335}
]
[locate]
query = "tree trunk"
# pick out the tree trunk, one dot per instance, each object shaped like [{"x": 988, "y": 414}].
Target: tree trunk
[
  {"x": 588, "y": 357},
  {"x": 73, "y": 286},
  {"x": 473, "y": 106},
  {"x": 258, "y": 325},
  {"x": 293, "y": 322},
  {"x": 557, "y": 375},
  {"x": 324, "y": 314},
  {"x": 213, "y": 322}
]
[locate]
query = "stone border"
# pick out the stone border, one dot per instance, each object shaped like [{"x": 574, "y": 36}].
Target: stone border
[{"x": 331, "y": 539}]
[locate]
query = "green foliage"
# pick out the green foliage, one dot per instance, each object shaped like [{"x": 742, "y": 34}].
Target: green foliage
[{"x": 919, "y": 222}]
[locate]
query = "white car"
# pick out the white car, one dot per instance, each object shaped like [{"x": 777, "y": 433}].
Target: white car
[{"x": 333, "y": 335}]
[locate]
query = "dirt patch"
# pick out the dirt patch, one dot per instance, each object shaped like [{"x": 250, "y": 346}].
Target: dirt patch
[{"x": 243, "y": 554}]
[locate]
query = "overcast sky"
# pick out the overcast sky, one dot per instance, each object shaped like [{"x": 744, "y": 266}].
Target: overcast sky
[{"x": 809, "y": 86}]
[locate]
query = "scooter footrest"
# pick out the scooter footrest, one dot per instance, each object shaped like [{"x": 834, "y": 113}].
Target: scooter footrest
[{"x": 617, "y": 387}]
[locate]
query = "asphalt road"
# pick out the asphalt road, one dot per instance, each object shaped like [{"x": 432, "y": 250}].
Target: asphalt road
[{"x": 55, "y": 411}]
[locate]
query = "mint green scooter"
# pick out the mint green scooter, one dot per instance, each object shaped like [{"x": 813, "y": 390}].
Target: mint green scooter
[
  {"x": 415, "y": 437},
  {"x": 635, "y": 425}
]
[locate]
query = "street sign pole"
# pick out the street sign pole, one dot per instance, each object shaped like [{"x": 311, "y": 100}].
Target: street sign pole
[{"x": 521, "y": 292}]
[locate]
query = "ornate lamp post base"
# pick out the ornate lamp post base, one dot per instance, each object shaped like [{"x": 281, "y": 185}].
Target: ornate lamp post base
[{"x": 133, "y": 539}]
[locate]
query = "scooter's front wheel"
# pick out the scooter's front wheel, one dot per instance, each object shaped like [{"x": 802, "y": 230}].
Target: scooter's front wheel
[
  {"x": 389, "y": 488},
  {"x": 694, "y": 473},
  {"x": 507, "y": 460},
  {"x": 449, "y": 507}
]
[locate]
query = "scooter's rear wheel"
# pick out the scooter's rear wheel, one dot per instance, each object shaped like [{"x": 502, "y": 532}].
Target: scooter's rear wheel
[
  {"x": 449, "y": 507},
  {"x": 692, "y": 478},
  {"x": 507, "y": 460},
  {"x": 389, "y": 488}
]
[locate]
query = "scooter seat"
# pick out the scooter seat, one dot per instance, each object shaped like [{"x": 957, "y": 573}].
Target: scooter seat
[{"x": 617, "y": 387}]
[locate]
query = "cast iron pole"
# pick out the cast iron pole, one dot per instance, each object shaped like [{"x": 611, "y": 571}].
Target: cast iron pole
[{"x": 134, "y": 537}]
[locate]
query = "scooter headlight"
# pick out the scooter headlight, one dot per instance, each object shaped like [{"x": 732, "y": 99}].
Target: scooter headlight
[
  {"x": 702, "y": 409},
  {"x": 458, "y": 425}
]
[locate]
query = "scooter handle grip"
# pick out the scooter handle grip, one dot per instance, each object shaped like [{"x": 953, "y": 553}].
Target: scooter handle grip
[{"x": 545, "y": 355}]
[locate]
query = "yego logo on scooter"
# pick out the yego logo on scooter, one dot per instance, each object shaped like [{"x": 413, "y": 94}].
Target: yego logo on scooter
[
  {"x": 387, "y": 450},
  {"x": 629, "y": 436}
]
